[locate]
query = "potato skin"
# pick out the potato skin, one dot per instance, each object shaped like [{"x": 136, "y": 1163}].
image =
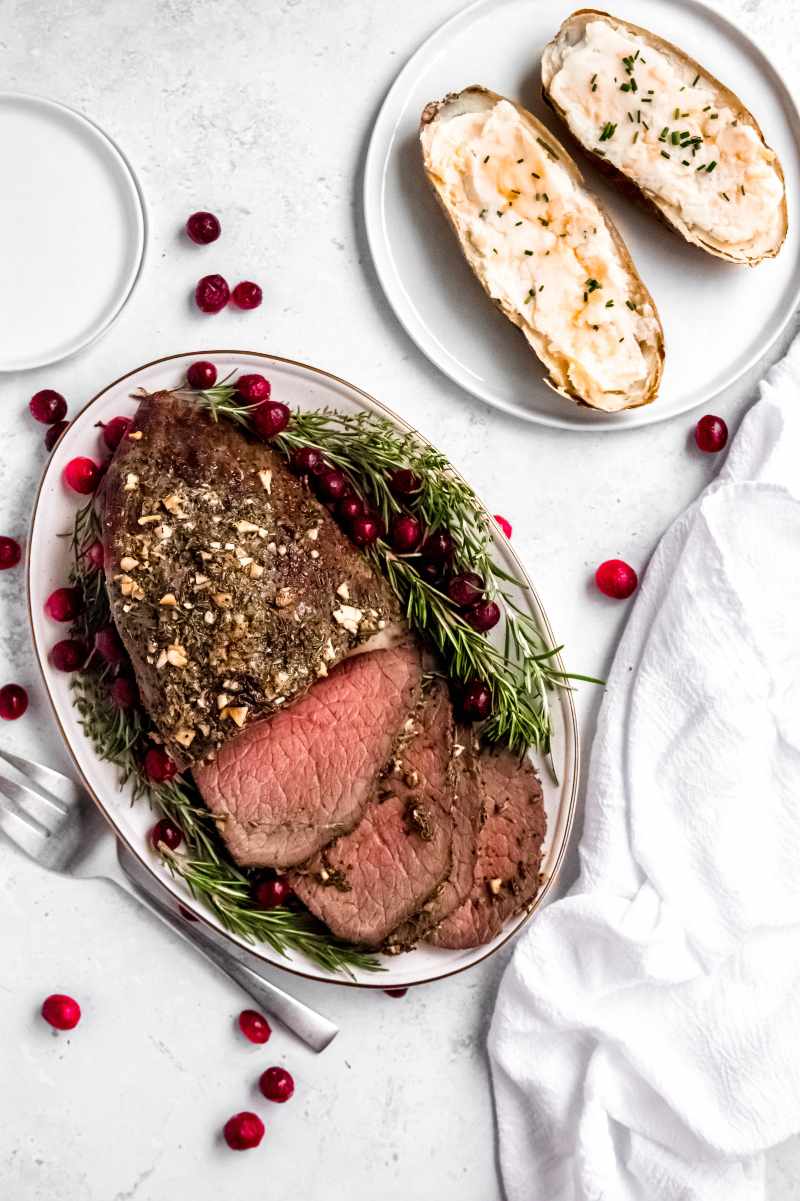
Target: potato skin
[
  {"x": 629, "y": 186},
  {"x": 477, "y": 96}
]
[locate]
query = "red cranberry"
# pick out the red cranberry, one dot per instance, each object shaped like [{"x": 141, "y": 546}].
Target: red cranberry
[
  {"x": 395, "y": 992},
  {"x": 186, "y": 914},
  {"x": 109, "y": 646},
  {"x": 82, "y": 475},
  {"x": 48, "y": 406},
  {"x": 269, "y": 894},
  {"x": 10, "y": 552},
  {"x": 166, "y": 832},
  {"x": 253, "y": 388},
  {"x": 465, "y": 589},
  {"x": 406, "y": 533},
  {"x": 211, "y": 294},
  {"x": 124, "y": 694},
  {"x": 201, "y": 375},
  {"x": 366, "y": 530},
  {"x": 69, "y": 655},
  {"x": 53, "y": 433},
  {"x": 270, "y": 419},
  {"x": 616, "y": 578},
  {"x": 203, "y": 228},
  {"x": 276, "y": 1084},
  {"x": 483, "y": 616},
  {"x": 432, "y": 573},
  {"x": 476, "y": 701},
  {"x": 404, "y": 482},
  {"x": 350, "y": 507},
  {"x": 332, "y": 484},
  {"x": 61, "y": 1011},
  {"x": 505, "y": 525},
  {"x": 247, "y": 295},
  {"x": 13, "y": 702},
  {"x": 438, "y": 546},
  {"x": 243, "y": 1131},
  {"x": 307, "y": 460},
  {"x": 254, "y": 1026},
  {"x": 158, "y": 766},
  {"x": 95, "y": 555},
  {"x": 64, "y": 604},
  {"x": 115, "y": 430},
  {"x": 711, "y": 434}
]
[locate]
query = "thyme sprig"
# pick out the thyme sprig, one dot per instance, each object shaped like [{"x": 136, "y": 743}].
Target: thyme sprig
[{"x": 368, "y": 448}]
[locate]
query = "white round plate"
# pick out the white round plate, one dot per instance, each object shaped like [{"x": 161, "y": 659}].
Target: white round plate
[
  {"x": 72, "y": 231},
  {"x": 718, "y": 318},
  {"x": 48, "y": 568}
]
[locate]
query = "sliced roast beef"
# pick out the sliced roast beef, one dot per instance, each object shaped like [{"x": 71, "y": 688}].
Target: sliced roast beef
[
  {"x": 233, "y": 589},
  {"x": 365, "y": 884},
  {"x": 466, "y": 814},
  {"x": 507, "y": 869},
  {"x": 289, "y": 784}
]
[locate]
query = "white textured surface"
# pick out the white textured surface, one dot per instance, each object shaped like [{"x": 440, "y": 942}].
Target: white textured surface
[{"x": 260, "y": 111}]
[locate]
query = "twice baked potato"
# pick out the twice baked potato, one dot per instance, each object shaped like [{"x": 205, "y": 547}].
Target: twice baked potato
[
  {"x": 543, "y": 248},
  {"x": 652, "y": 115}
]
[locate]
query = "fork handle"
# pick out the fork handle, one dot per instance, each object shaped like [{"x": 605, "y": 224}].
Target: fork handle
[{"x": 311, "y": 1027}]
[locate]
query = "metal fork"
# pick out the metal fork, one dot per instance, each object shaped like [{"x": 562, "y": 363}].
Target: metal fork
[{"x": 54, "y": 820}]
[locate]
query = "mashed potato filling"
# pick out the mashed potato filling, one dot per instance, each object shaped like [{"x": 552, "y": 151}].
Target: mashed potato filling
[
  {"x": 545, "y": 251},
  {"x": 654, "y": 117}
]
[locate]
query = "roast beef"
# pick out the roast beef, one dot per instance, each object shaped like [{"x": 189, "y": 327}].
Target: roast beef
[
  {"x": 289, "y": 784},
  {"x": 363, "y": 885},
  {"x": 233, "y": 589},
  {"x": 466, "y": 815},
  {"x": 507, "y": 870}
]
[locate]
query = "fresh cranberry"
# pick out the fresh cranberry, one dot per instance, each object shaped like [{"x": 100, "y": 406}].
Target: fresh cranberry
[
  {"x": 616, "y": 578},
  {"x": 465, "y": 589},
  {"x": 332, "y": 484},
  {"x": 48, "y": 406},
  {"x": 253, "y": 388},
  {"x": 350, "y": 507},
  {"x": 483, "y": 616},
  {"x": 406, "y": 533},
  {"x": 10, "y": 552},
  {"x": 247, "y": 295},
  {"x": 61, "y": 1011},
  {"x": 166, "y": 832},
  {"x": 82, "y": 475},
  {"x": 404, "y": 482},
  {"x": 438, "y": 546},
  {"x": 711, "y": 434},
  {"x": 211, "y": 294},
  {"x": 64, "y": 604},
  {"x": 124, "y": 694},
  {"x": 366, "y": 530},
  {"x": 203, "y": 228},
  {"x": 476, "y": 701},
  {"x": 243, "y": 1131},
  {"x": 432, "y": 573},
  {"x": 158, "y": 766},
  {"x": 115, "y": 430},
  {"x": 254, "y": 1026},
  {"x": 276, "y": 1084},
  {"x": 307, "y": 460},
  {"x": 269, "y": 894},
  {"x": 395, "y": 992},
  {"x": 95, "y": 555},
  {"x": 201, "y": 375},
  {"x": 69, "y": 655},
  {"x": 186, "y": 914},
  {"x": 13, "y": 702},
  {"x": 109, "y": 646},
  {"x": 53, "y": 433},
  {"x": 505, "y": 525},
  {"x": 270, "y": 419}
]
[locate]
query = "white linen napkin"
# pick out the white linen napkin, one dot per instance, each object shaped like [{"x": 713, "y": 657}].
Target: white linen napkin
[{"x": 646, "y": 1040}]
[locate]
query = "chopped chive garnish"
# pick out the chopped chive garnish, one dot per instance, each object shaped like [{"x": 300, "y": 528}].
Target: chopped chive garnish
[
  {"x": 499, "y": 212},
  {"x": 592, "y": 285},
  {"x": 634, "y": 86},
  {"x": 520, "y": 160},
  {"x": 725, "y": 196},
  {"x": 541, "y": 287},
  {"x": 494, "y": 250},
  {"x": 664, "y": 154},
  {"x": 543, "y": 221},
  {"x": 676, "y": 114},
  {"x": 622, "y": 339},
  {"x": 626, "y": 87},
  {"x": 636, "y": 136},
  {"x": 646, "y": 100},
  {"x": 631, "y": 305},
  {"x": 685, "y": 162},
  {"x": 741, "y": 189},
  {"x": 535, "y": 176},
  {"x": 675, "y": 137},
  {"x": 516, "y": 223},
  {"x": 662, "y": 137},
  {"x": 529, "y": 252},
  {"x": 711, "y": 166},
  {"x": 545, "y": 197},
  {"x": 529, "y": 297},
  {"x": 607, "y": 132},
  {"x": 486, "y": 159},
  {"x": 714, "y": 117},
  {"x": 585, "y": 297},
  {"x": 482, "y": 213},
  {"x": 595, "y": 327},
  {"x": 609, "y": 304},
  {"x": 593, "y": 79},
  {"x": 707, "y": 108},
  {"x": 695, "y": 81}
]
